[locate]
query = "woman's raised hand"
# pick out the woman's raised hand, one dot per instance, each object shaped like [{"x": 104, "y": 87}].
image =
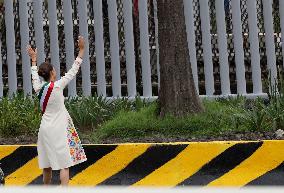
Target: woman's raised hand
[
  {"x": 81, "y": 45},
  {"x": 32, "y": 53}
]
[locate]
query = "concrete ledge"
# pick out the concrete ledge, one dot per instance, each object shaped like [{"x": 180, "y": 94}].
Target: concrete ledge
[{"x": 230, "y": 163}]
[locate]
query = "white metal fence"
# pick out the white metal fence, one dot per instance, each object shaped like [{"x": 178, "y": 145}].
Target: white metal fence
[{"x": 232, "y": 44}]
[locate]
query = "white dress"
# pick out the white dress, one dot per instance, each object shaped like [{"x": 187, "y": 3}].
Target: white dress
[{"x": 58, "y": 144}]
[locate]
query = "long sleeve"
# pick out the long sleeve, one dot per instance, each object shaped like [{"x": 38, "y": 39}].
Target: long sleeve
[
  {"x": 63, "y": 82},
  {"x": 37, "y": 84}
]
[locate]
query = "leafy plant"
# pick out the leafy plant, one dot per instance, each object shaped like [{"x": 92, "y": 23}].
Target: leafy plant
[
  {"x": 90, "y": 112},
  {"x": 18, "y": 115},
  {"x": 254, "y": 119},
  {"x": 275, "y": 109}
]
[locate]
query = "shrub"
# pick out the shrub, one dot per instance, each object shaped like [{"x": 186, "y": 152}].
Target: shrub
[{"x": 19, "y": 115}]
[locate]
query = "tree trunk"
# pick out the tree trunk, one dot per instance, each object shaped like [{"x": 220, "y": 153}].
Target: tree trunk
[{"x": 177, "y": 94}]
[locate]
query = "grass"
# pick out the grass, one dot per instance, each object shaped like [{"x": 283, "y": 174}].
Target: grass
[
  {"x": 100, "y": 120},
  {"x": 126, "y": 125},
  {"x": 20, "y": 115},
  {"x": 221, "y": 117}
]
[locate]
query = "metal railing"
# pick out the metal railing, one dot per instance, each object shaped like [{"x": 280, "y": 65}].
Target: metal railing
[{"x": 233, "y": 44}]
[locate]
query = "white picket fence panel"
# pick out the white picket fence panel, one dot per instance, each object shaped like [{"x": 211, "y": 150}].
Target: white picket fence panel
[{"x": 221, "y": 35}]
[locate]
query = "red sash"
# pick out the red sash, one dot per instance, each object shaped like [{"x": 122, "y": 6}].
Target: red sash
[{"x": 44, "y": 95}]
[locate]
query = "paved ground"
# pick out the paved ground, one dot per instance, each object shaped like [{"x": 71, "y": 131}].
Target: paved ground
[
  {"x": 180, "y": 164},
  {"x": 45, "y": 189}
]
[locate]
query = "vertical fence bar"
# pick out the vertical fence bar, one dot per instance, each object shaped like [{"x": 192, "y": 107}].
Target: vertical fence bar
[
  {"x": 11, "y": 54},
  {"x": 99, "y": 43},
  {"x": 129, "y": 47},
  {"x": 53, "y": 33},
  {"x": 39, "y": 36},
  {"x": 114, "y": 48},
  {"x": 157, "y": 40},
  {"x": 222, "y": 46},
  {"x": 238, "y": 46},
  {"x": 207, "y": 48},
  {"x": 144, "y": 46},
  {"x": 254, "y": 46},
  {"x": 69, "y": 43},
  {"x": 83, "y": 28},
  {"x": 269, "y": 39},
  {"x": 1, "y": 65},
  {"x": 281, "y": 10},
  {"x": 24, "y": 30},
  {"x": 189, "y": 21}
]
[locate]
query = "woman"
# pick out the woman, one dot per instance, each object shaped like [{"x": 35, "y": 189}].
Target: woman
[{"x": 59, "y": 146}]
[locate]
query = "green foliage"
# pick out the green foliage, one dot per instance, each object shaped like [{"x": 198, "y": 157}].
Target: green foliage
[
  {"x": 90, "y": 112},
  {"x": 100, "y": 119},
  {"x": 254, "y": 119},
  {"x": 19, "y": 115},
  {"x": 275, "y": 109},
  {"x": 232, "y": 115},
  {"x": 145, "y": 122}
]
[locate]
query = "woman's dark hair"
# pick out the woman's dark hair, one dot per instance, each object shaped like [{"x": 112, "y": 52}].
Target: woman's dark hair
[{"x": 44, "y": 70}]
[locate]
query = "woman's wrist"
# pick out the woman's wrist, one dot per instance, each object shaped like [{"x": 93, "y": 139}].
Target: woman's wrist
[
  {"x": 34, "y": 62},
  {"x": 81, "y": 53}
]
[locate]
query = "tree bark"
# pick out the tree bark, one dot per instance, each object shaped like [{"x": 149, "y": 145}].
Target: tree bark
[{"x": 177, "y": 94}]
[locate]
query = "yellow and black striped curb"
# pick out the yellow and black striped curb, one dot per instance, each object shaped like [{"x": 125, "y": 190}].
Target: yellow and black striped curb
[{"x": 174, "y": 164}]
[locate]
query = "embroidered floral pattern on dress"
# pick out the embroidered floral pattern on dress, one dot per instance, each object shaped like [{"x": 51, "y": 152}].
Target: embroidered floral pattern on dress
[{"x": 76, "y": 150}]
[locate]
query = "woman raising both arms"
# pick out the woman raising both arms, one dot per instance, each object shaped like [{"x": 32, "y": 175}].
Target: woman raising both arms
[{"x": 58, "y": 146}]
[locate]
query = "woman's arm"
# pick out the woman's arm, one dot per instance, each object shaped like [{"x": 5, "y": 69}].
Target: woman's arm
[
  {"x": 63, "y": 82},
  {"x": 37, "y": 84}
]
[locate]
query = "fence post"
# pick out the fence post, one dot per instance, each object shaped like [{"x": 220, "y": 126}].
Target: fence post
[
  {"x": 281, "y": 10},
  {"x": 114, "y": 48},
  {"x": 24, "y": 30},
  {"x": 83, "y": 28},
  {"x": 144, "y": 46},
  {"x": 207, "y": 48},
  {"x": 269, "y": 39},
  {"x": 99, "y": 43},
  {"x": 129, "y": 48},
  {"x": 69, "y": 43},
  {"x": 189, "y": 21},
  {"x": 39, "y": 36},
  {"x": 222, "y": 46},
  {"x": 238, "y": 46},
  {"x": 11, "y": 53},
  {"x": 254, "y": 46},
  {"x": 1, "y": 65},
  {"x": 53, "y": 33}
]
